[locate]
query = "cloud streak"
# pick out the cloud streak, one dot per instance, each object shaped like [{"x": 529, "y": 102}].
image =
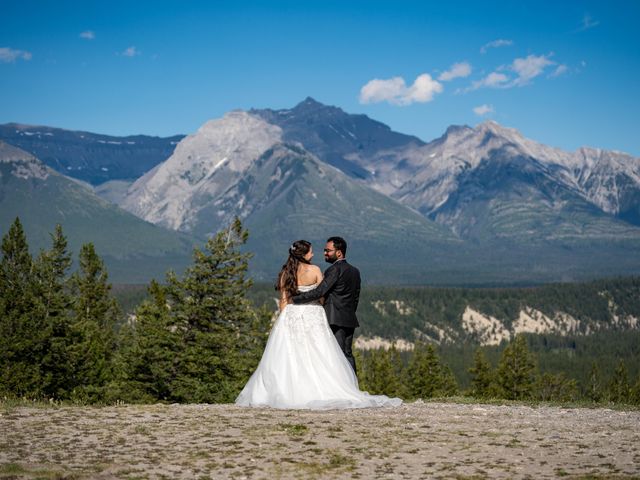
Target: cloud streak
[
  {"x": 88, "y": 35},
  {"x": 396, "y": 92},
  {"x": 495, "y": 44},
  {"x": 483, "y": 110},
  {"x": 10, "y": 55},
  {"x": 520, "y": 72},
  {"x": 457, "y": 70},
  {"x": 131, "y": 52},
  {"x": 587, "y": 23}
]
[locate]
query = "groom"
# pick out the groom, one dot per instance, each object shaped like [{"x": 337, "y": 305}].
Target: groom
[{"x": 341, "y": 290}]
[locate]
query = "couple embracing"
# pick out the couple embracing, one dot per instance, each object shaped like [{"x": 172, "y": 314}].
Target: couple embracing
[{"x": 307, "y": 362}]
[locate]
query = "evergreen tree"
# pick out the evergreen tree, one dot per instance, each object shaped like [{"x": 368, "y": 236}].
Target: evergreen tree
[
  {"x": 635, "y": 392},
  {"x": 198, "y": 339},
  {"x": 21, "y": 329},
  {"x": 594, "y": 385},
  {"x": 426, "y": 376},
  {"x": 558, "y": 388},
  {"x": 482, "y": 376},
  {"x": 619, "y": 389},
  {"x": 516, "y": 371},
  {"x": 54, "y": 309},
  {"x": 146, "y": 364},
  {"x": 95, "y": 314},
  {"x": 382, "y": 373}
]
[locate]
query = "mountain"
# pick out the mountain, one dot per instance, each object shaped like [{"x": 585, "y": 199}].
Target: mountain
[
  {"x": 134, "y": 250},
  {"x": 90, "y": 157},
  {"x": 240, "y": 165},
  {"x": 479, "y": 205},
  {"x": 424, "y": 175},
  {"x": 610, "y": 181},
  {"x": 348, "y": 142}
]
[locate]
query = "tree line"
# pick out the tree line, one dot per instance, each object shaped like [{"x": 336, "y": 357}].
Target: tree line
[
  {"x": 422, "y": 374},
  {"x": 197, "y": 337}
]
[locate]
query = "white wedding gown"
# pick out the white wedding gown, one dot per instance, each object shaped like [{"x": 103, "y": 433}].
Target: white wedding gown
[{"x": 303, "y": 367}]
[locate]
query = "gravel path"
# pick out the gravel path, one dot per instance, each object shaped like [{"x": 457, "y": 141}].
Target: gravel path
[{"x": 417, "y": 440}]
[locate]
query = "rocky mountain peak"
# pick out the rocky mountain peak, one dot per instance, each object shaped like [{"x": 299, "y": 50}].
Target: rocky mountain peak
[{"x": 23, "y": 165}]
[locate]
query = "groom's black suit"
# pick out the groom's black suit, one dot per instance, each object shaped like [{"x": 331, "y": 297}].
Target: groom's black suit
[{"x": 341, "y": 290}]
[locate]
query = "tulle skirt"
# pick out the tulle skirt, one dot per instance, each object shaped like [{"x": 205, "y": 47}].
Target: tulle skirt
[{"x": 303, "y": 367}]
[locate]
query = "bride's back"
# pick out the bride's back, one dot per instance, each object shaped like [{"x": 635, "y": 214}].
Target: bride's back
[{"x": 308, "y": 274}]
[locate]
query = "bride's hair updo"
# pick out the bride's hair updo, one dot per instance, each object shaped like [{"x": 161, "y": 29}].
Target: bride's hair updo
[{"x": 288, "y": 276}]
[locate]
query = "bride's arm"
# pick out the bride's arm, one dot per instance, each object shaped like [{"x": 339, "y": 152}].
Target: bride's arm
[{"x": 284, "y": 298}]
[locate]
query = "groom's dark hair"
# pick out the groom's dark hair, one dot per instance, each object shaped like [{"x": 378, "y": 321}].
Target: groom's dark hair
[{"x": 339, "y": 243}]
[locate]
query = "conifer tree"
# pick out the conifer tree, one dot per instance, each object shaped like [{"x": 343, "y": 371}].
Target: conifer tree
[
  {"x": 198, "y": 339},
  {"x": 382, "y": 373},
  {"x": 482, "y": 376},
  {"x": 635, "y": 392},
  {"x": 594, "y": 385},
  {"x": 516, "y": 373},
  {"x": 555, "y": 387},
  {"x": 146, "y": 363},
  {"x": 93, "y": 330},
  {"x": 216, "y": 319},
  {"x": 54, "y": 303},
  {"x": 426, "y": 376},
  {"x": 21, "y": 337},
  {"x": 619, "y": 389}
]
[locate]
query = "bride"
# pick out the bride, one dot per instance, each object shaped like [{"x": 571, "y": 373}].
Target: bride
[{"x": 302, "y": 366}]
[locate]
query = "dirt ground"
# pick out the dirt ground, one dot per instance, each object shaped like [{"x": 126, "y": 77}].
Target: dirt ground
[{"x": 417, "y": 440}]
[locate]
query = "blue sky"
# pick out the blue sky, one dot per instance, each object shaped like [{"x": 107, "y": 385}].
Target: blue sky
[{"x": 563, "y": 73}]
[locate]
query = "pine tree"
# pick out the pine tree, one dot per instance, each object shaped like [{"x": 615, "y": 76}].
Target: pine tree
[
  {"x": 198, "y": 339},
  {"x": 555, "y": 387},
  {"x": 619, "y": 389},
  {"x": 482, "y": 376},
  {"x": 93, "y": 329},
  {"x": 21, "y": 329},
  {"x": 54, "y": 309},
  {"x": 146, "y": 363},
  {"x": 594, "y": 385},
  {"x": 383, "y": 372},
  {"x": 216, "y": 319},
  {"x": 516, "y": 371},
  {"x": 635, "y": 392},
  {"x": 426, "y": 376}
]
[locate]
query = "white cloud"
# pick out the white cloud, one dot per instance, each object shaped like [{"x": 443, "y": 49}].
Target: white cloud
[
  {"x": 10, "y": 55},
  {"x": 560, "y": 70},
  {"x": 88, "y": 35},
  {"x": 396, "y": 92},
  {"x": 493, "y": 80},
  {"x": 483, "y": 110},
  {"x": 587, "y": 23},
  {"x": 457, "y": 70},
  {"x": 528, "y": 68},
  {"x": 131, "y": 52},
  {"x": 495, "y": 44}
]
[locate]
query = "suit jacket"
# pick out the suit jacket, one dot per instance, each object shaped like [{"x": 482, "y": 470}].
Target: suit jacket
[{"x": 341, "y": 289}]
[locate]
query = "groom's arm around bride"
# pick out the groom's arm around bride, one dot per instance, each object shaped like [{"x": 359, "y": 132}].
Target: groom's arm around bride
[{"x": 341, "y": 291}]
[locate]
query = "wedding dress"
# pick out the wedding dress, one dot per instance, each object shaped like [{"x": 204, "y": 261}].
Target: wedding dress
[{"x": 303, "y": 367}]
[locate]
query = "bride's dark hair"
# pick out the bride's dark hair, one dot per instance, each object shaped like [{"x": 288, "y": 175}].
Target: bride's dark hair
[{"x": 288, "y": 276}]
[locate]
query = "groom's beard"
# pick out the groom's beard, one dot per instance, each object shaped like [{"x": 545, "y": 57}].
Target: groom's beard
[{"x": 329, "y": 259}]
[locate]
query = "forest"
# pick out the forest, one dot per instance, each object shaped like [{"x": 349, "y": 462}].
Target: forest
[{"x": 67, "y": 334}]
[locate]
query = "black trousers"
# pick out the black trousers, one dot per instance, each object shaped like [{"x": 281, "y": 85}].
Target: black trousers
[{"x": 344, "y": 336}]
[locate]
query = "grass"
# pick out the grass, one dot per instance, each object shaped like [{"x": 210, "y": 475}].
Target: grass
[{"x": 14, "y": 471}]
